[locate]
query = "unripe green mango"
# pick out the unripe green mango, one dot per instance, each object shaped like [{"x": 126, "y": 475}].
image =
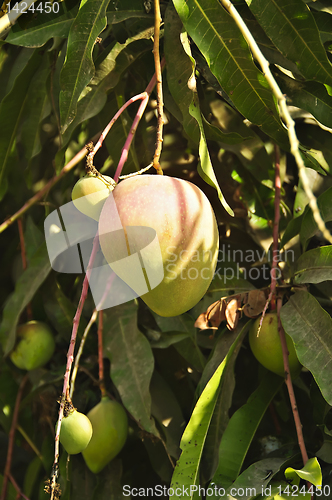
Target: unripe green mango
[
  {"x": 187, "y": 231},
  {"x": 267, "y": 346},
  {"x": 35, "y": 346},
  {"x": 89, "y": 194},
  {"x": 75, "y": 432},
  {"x": 110, "y": 428}
]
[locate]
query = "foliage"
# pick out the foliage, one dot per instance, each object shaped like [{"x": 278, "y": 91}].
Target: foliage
[{"x": 202, "y": 411}]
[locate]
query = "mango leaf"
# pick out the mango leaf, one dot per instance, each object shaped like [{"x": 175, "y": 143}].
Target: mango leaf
[
  {"x": 293, "y": 30},
  {"x": 311, "y": 96},
  {"x": 186, "y": 472},
  {"x": 229, "y": 58},
  {"x": 46, "y": 26},
  {"x": 79, "y": 69},
  {"x": 26, "y": 287},
  {"x": 309, "y": 227},
  {"x": 132, "y": 362},
  {"x": 314, "y": 266},
  {"x": 310, "y": 327},
  {"x": 178, "y": 77},
  {"x": 251, "y": 482},
  {"x": 107, "y": 76},
  {"x": 117, "y": 16},
  {"x": 311, "y": 473},
  {"x": 292, "y": 229},
  {"x": 241, "y": 430},
  {"x": 324, "y": 25},
  {"x": 11, "y": 110}
]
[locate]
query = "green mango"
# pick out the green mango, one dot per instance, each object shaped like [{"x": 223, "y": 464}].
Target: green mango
[
  {"x": 35, "y": 346},
  {"x": 75, "y": 432},
  {"x": 267, "y": 346},
  {"x": 110, "y": 428},
  {"x": 90, "y": 192}
]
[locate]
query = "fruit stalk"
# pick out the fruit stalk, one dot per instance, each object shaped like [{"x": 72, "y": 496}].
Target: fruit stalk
[
  {"x": 24, "y": 261},
  {"x": 275, "y": 246},
  {"x": 100, "y": 354},
  {"x": 70, "y": 357},
  {"x": 290, "y": 388}
]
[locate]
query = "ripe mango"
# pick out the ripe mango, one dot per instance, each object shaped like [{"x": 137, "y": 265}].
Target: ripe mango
[
  {"x": 35, "y": 345},
  {"x": 267, "y": 346},
  {"x": 75, "y": 432},
  {"x": 89, "y": 194},
  {"x": 184, "y": 260},
  {"x": 110, "y": 428}
]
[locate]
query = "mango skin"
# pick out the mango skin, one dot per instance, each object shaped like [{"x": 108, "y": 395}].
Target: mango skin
[
  {"x": 267, "y": 346},
  {"x": 187, "y": 231},
  {"x": 89, "y": 194},
  {"x": 35, "y": 346},
  {"x": 110, "y": 429},
  {"x": 75, "y": 432}
]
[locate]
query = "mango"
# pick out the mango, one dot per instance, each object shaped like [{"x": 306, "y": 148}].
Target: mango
[
  {"x": 90, "y": 192},
  {"x": 35, "y": 345},
  {"x": 169, "y": 225},
  {"x": 75, "y": 432},
  {"x": 110, "y": 428},
  {"x": 267, "y": 346}
]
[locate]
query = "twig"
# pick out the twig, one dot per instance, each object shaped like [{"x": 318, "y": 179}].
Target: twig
[
  {"x": 70, "y": 357},
  {"x": 275, "y": 244},
  {"x": 11, "y": 438},
  {"x": 24, "y": 261},
  {"x": 289, "y": 385},
  {"x": 160, "y": 104},
  {"x": 17, "y": 488},
  {"x": 100, "y": 354},
  {"x": 38, "y": 196},
  {"x": 294, "y": 143}
]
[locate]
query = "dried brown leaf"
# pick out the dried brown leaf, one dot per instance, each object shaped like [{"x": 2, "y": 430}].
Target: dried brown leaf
[{"x": 255, "y": 303}]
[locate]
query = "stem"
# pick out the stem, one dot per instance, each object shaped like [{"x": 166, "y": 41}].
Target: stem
[
  {"x": 70, "y": 357},
  {"x": 275, "y": 246},
  {"x": 294, "y": 143},
  {"x": 17, "y": 488},
  {"x": 290, "y": 388},
  {"x": 160, "y": 104},
  {"x": 24, "y": 261},
  {"x": 11, "y": 438},
  {"x": 100, "y": 354}
]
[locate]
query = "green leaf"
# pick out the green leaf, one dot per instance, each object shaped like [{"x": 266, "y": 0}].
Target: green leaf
[
  {"x": 241, "y": 430},
  {"x": 292, "y": 29},
  {"x": 11, "y": 113},
  {"x": 46, "y": 26},
  {"x": 224, "y": 48},
  {"x": 192, "y": 443},
  {"x": 292, "y": 230},
  {"x": 132, "y": 362},
  {"x": 26, "y": 287},
  {"x": 310, "y": 327},
  {"x": 324, "y": 25},
  {"x": 314, "y": 266},
  {"x": 311, "y": 473},
  {"x": 79, "y": 68},
  {"x": 309, "y": 227},
  {"x": 178, "y": 77},
  {"x": 311, "y": 96}
]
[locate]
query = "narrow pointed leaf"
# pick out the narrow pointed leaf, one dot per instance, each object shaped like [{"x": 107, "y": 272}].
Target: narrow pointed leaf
[
  {"x": 11, "y": 113},
  {"x": 292, "y": 29},
  {"x": 225, "y": 50},
  {"x": 79, "y": 68},
  {"x": 309, "y": 227},
  {"x": 241, "y": 430},
  {"x": 310, "y": 327},
  {"x": 26, "y": 287},
  {"x": 314, "y": 266},
  {"x": 46, "y": 26},
  {"x": 132, "y": 362},
  {"x": 311, "y": 472},
  {"x": 186, "y": 472}
]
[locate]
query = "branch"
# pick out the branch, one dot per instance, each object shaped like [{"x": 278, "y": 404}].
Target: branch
[
  {"x": 284, "y": 113},
  {"x": 160, "y": 104}
]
